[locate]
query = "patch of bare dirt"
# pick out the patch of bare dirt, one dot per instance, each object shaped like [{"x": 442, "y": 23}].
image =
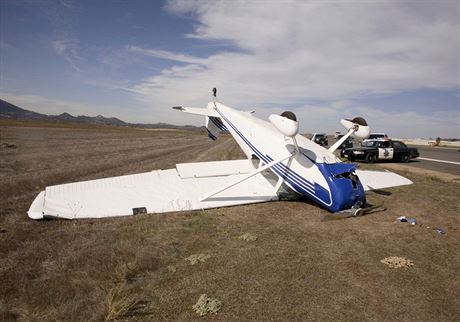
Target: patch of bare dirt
[
  {"x": 197, "y": 258},
  {"x": 397, "y": 262},
  {"x": 206, "y": 305}
]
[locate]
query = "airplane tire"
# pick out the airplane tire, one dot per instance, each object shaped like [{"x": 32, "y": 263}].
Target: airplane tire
[
  {"x": 370, "y": 158},
  {"x": 289, "y": 115}
]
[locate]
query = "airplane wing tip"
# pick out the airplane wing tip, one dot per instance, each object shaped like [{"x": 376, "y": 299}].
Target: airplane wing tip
[
  {"x": 35, "y": 215},
  {"x": 36, "y": 208},
  {"x": 374, "y": 180}
]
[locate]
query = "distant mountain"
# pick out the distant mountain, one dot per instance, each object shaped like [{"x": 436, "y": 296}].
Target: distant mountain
[
  {"x": 101, "y": 120},
  {"x": 10, "y": 111}
]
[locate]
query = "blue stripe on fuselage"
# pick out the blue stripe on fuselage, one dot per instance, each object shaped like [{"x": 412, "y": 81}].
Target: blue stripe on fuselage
[
  {"x": 212, "y": 136},
  {"x": 217, "y": 122},
  {"x": 294, "y": 179}
]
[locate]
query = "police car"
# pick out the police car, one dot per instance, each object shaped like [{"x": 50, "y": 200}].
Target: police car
[
  {"x": 376, "y": 150},
  {"x": 320, "y": 139}
]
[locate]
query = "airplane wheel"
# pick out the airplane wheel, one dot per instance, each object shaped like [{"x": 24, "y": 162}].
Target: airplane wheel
[
  {"x": 405, "y": 158},
  {"x": 289, "y": 115},
  {"x": 370, "y": 158}
]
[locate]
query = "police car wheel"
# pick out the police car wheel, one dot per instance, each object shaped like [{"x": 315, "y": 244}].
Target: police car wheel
[
  {"x": 405, "y": 158},
  {"x": 370, "y": 158}
]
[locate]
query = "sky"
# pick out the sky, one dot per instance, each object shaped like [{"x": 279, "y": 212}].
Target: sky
[{"x": 395, "y": 63}]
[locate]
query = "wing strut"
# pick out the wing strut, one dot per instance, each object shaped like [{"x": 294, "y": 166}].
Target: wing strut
[
  {"x": 259, "y": 170},
  {"x": 342, "y": 139}
]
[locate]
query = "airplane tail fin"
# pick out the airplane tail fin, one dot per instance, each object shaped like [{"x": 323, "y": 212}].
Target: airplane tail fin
[{"x": 214, "y": 126}]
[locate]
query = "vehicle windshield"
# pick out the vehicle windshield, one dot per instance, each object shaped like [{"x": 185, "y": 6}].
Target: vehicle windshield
[
  {"x": 376, "y": 136},
  {"x": 370, "y": 144}
]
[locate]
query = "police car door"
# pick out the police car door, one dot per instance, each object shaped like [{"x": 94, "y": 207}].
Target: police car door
[{"x": 386, "y": 150}]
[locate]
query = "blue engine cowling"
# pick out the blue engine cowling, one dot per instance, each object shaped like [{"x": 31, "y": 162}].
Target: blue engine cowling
[{"x": 346, "y": 189}]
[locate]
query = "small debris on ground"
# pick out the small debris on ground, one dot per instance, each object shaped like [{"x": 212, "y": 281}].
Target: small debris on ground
[
  {"x": 397, "y": 262},
  {"x": 248, "y": 237},
  {"x": 207, "y": 305},
  {"x": 196, "y": 258},
  {"x": 412, "y": 221},
  {"x": 5, "y": 145},
  {"x": 441, "y": 231},
  {"x": 172, "y": 268}
]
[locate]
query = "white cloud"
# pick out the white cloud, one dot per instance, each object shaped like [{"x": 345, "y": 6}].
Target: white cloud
[
  {"x": 289, "y": 52},
  {"x": 68, "y": 49},
  {"x": 164, "y": 54},
  {"x": 404, "y": 124},
  {"x": 410, "y": 124}
]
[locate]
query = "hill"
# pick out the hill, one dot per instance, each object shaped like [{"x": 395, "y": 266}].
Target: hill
[{"x": 13, "y": 112}]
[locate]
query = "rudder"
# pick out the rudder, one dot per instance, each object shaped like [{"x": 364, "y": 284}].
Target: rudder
[{"x": 214, "y": 126}]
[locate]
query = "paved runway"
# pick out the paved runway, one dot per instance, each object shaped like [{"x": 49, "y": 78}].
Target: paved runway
[
  {"x": 440, "y": 159},
  {"x": 451, "y": 155}
]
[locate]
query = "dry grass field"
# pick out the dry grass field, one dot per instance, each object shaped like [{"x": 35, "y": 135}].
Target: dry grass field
[{"x": 295, "y": 267}]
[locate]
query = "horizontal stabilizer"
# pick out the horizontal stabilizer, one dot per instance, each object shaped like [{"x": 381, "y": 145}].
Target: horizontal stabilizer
[
  {"x": 373, "y": 180},
  {"x": 197, "y": 111}
]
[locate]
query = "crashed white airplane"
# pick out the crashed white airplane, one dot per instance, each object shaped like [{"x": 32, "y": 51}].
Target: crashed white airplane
[{"x": 280, "y": 164}]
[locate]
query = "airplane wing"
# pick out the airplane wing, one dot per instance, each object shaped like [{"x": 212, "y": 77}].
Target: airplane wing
[
  {"x": 373, "y": 180},
  {"x": 158, "y": 191}
]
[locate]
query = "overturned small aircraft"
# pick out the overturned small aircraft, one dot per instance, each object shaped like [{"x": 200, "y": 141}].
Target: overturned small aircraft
[{"x": 280, "y": 164}]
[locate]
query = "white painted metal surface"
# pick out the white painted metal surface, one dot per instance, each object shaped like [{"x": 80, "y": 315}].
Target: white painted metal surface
[
  {"x": 372, "y": 180},
  {"x": 199, "y": 111},
  {"x": 157, "y": 191},
  {"x": 214, "y": 169},
  {"x": 243, "y": 178}
]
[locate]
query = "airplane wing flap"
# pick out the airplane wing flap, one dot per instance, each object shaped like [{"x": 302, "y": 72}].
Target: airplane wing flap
[
  {"x": 214, "y": 168},
  {"x": 373, "y": 180},
  {"x": 152, "y": 192}
]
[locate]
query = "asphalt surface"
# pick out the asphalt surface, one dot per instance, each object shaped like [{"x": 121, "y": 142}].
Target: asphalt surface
[
  {"x": 428, "y": 152},
  {"x": 440, "y": 154}
]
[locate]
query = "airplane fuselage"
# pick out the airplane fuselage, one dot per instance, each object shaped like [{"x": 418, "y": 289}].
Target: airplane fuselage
[{"x": 313, "y": 171}]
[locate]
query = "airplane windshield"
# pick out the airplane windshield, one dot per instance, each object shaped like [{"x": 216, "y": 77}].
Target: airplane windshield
[{"x": 370, "y": 144}]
